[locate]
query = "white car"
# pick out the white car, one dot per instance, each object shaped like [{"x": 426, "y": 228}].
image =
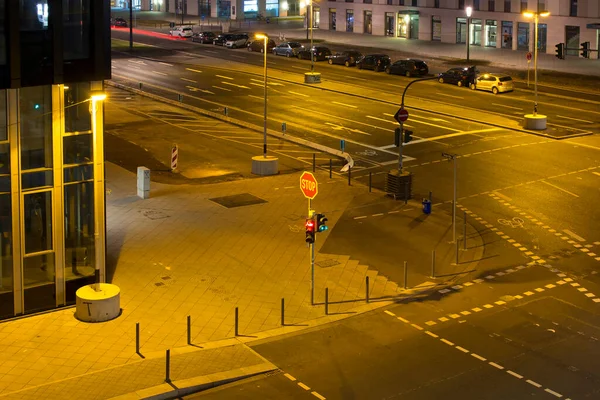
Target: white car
[
  {"x": 237, "y": 41},
  {"x": 495, "y": 83},
  {"x": 181, "y": 31}
]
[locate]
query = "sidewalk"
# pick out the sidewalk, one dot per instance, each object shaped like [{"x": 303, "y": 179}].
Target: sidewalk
[{"x": 201, "y": 251}]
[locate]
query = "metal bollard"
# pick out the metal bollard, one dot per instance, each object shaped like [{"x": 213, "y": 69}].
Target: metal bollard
[
  {"x": 367, "y": 288},
  {"x": 137, "y": 337},
  {"x": 369, "y": 182},
  {"x": 330, "y": 167},
  {"x": 283, "y": 127},
  {"x": 405, "y": 192},
  {"x": 180, "y": 98},
  {"x": 168, "y": 367},
  {"x": 433, "y": 263},
  {"x": 189, "y": 329},
  {"x": 226, "y": 111},
  {"x": 405, "y": 274},
  {"x": 326, "y": 301},
  {"x": 456, "y": 262},
  {"x": 349, "y": 176},
  {"x": 314, "y": 162},
  {"x": 282, "y": 311},
  {"x": 141, "y": 84},
  {"x": 465, "y": 231},
  {"x": 236, "y": 321}
]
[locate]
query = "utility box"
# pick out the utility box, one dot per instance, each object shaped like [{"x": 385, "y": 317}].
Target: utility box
[{"x": 143, "y": 182}]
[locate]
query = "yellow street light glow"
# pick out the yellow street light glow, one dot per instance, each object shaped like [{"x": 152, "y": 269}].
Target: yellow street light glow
[
  {"x": 98, "y": 96},
  {"x": 260, "y": 36},
  {"x": 528, "y": 14},
  {"x": 544, "y": 13},
  {"x": 302, "y": 4},
  {"x": 469, "y": 11},
  {"x": 285, "y": 5}
]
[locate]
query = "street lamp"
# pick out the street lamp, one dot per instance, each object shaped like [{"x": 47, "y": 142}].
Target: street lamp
[
  {"x": 260, "y": 36},
  {"x": 536, "y": 16},
  {"x": 469, "y": 11},
  {"x": 310, "y": 20}
]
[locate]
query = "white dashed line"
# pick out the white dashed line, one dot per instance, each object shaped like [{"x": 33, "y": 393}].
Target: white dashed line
[
  {"x": 417, "y": 327},
  {"x": 389, "y": 313},
  {"x": 317, "y": 395},
  {"x": 403, "y": 320},
  {"x": 477, "y": 356},
  {"x": 493, "y": 364},
  {"x": 552, "y": 392},
  {"x": 514, "y": 374},
  {"x": 462, "y": 349},
  {"x": 431, "y": 334},
  {"x": 303, "y": 386},
  {"x": 537, "y": 385},
  {"x": 449, "y": 343},
  {"x": 290, "y": 377}
]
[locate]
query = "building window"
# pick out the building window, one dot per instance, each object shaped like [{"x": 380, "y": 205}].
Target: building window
[
  {"x": 507, "y": 6},
  {"x": 461, "y": 4},
  {"x": 272, "y": 8},
  {"x": 36, "y": 132},
  {"x": 390, "y": 2},
  {"x": 523, "y": 36},
  {"x": 436, "y": 4},
  {"x": 368, "y": 1},
  {"x": 436, "y": 28},
  {"x": 475, "y": 34},
  {"x": 461, "y": 30},
  {"x": 476, "y": 5},
  {"x": 491, "y": 5},
  {"x": 523, "y": 5},
  {"x": 507, "y": 34},
  {"x": 541, "y": 5},
  {"x": 77, "y": 27},
  {"x": 491, "y": 28},
  {"x": 349, "y": 20},
  {"x": 415, "y": 3},
  {"x": 401, "y": 2},
  {"x": 573, "y": 8}
]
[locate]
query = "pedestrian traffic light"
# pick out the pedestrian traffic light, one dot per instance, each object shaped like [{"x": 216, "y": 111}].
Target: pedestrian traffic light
[
  {"x": 310, "y": 230},
  {"x": 585, "y": 49},
  {"x": 407, "y": 136},
  {"x": 321, "y": 222},
  {"x": 397, "y": 136},
  {"x": 560, "y": 51}
]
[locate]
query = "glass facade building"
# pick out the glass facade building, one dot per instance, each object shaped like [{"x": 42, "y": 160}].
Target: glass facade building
[{"x": 54, "y": 56}]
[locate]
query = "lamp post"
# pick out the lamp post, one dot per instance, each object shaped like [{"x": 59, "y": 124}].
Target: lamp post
[
  {"x": 312, "y": 55},
  {"x": 469, "y": 11},
  {"x": 265, "y": 38},
  {"x": 536, "y": 16}
]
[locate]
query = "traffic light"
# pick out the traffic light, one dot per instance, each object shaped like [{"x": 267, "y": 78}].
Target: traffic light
[
  {"x": 321, "y": 222},
  {"x": 585, "y": 49},
  {"x": 407, "y": 136},
  {"x": 560, "y": 51},
  {"x": 310, "y": 230},
  {"x": 397, "y": 136}
]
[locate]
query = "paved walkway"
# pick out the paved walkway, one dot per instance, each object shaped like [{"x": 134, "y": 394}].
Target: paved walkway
[{"x": 201, "y": 251}]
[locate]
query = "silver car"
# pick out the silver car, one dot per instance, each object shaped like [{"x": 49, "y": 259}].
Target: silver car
[
  {"x": 495, "y": 83},
  {"x": 237, "y": 41},
  {"x": 288, "y": 49}
]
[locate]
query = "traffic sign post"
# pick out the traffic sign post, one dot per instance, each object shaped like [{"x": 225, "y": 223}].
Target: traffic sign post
[
  {"x": 310, "y": 188},
  {"x": 528, "y": 57}
]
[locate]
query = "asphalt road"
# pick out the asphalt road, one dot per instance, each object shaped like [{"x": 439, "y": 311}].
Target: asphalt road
[{"x": 518, "y": 332}]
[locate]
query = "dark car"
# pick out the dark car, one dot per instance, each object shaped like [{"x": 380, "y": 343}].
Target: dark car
[
  {"x": 288, "y": 49},
  {"x": 375, "y": 62},
  {"x": 347, "y": 58},
  {"x": 204, "y": 37},
  {"x": 120, "y": 22},
  {"x": 408, "y": 67},
  {"x": 320, "y": 53},
  {"x": 458, "y": 76},
  {"x": 259, "y": 45},
  {"x": 222, "y": 38}
]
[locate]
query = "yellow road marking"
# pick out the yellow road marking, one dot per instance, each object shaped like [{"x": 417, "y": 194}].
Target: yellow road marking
[{"x": 559, "y": 188}]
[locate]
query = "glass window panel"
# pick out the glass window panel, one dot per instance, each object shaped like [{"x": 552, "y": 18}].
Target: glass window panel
[
  {"x": 4, "y": 159},
  {"x": 4, "y": 184},
  {"x": 77, "y": 107},
  {"x": 32, "y": 180},
  {"x": 3, "y": 125},
  {"x": 38, "y": 222},
  {"x": 77, "y": 149},
  {"x": 79, "y": 173},
  {"x": 2, "y": 33},
  {"x": 79, "y": 230},
  {"x": 38, "y": 270},
  {"x": 36, "y": 127},
  {"x": 76, "y": 25},
  {"x": 6, "y": 271},
  {"x": 34, "y": 15}
]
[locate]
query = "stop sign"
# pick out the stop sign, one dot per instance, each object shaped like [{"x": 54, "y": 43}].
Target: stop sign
[
  {"x": 528, "y": 56},
  {"x": 308, "y": 185},
  {"x": 401, "y": 115}
]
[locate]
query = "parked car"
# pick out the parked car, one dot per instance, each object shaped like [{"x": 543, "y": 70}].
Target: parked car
[
  {"x": 408, "y": 67},
  {"x": 495, "y": 83},
  {"x": 375, "y": 62},
  {"x": 288, "y": 49},
  {"x": 222, "y": 38},
  {"x": 259, "y": 45},
  {"x": 181, "y": 31},
  {"x": 347, "y": 58},
  {"x": 458, "y": 76},
  {"x": 120, "y": 22},
  {"x": 236, "y": 41},
  {"x": 320, "y": 53},
  {"x": 204, "y": 37}
]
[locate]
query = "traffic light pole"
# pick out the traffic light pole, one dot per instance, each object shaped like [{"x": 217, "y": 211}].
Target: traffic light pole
[
  {"x": 312, "y": 261},
  {"x": 401, "y": 147}
]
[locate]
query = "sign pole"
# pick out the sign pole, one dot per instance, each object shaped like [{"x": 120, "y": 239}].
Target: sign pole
[
  {"x": 312, "y": 262},
  {"x": 309, "y": 188},
  {"x": 401, "y": 147}
]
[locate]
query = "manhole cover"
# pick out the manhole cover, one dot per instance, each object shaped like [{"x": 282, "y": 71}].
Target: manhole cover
[
  {"x": 327, "y": 263},
  {"x": 154, "y": 214},
  {"x": 238, "y": 200}
]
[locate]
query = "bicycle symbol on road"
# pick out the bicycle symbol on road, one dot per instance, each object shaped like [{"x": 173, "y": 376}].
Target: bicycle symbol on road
[
  {"x": 294, "y": 228},
  {"x": 368, "y": 153},
  {"x": 516, "y": 222}
]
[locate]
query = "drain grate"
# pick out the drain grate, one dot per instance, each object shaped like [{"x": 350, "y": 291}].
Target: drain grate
[
  {"x": 327, "y": 263},
  {"x": 238, "y": 200}
]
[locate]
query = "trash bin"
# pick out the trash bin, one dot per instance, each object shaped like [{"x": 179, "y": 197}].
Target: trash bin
[{"x": 426, "y": 206}]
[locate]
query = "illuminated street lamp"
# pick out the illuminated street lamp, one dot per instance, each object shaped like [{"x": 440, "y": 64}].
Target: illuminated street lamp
[
  {"x": 469, "y": 11},
  {"x": 536, "y": 16},
  {"x": 265, "y": 38}
]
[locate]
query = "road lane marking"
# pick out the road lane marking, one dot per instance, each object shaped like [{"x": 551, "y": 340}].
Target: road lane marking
[
  {"x": 503, "y": 105},
  {"x": 427, "y": 123},
  {"x": 317, "y": 395},
  {"x": 303, "y": 386},
  {"x": 233, "y": 84},
  {"x": 222, "y": 88},
  {"x": 573, "y": 235},
  {"x": 194, "y": 70},
  {"x": 256, "y": 97},
  {"x": 344, "y": 104},
  {"x": 503, "y": 196},
  {"x": 160, "y": 73},
  {"x": 461, "y": 349},
  {"x": 514, "y": 374},
  {"x": 449, "y": 95},
  {"x": 242, "y": 57},
  {"x": 477, "y": 356},
  {"x": 298, "y": 94},
  {"x": 290, "y": 377},
  {"x": 449, "y": 343},
  {"x": 431, "y": 334},
  {"x": 559, "y": 188},
  {"x": 361, "y": 217},
  {"x": 596, "y": 173},
  {"x": 164, "y": 63},
  {"x": 552, "y": 392},
  {"x": 537, "y": 385},
  {"x": 403, "y": 320},
  {"x": 188, "y": 80},
  {"x": 493, "y": 364},
  {"x": 224, "y": 77},
  {"x": 389, "y": 313},
  {"x": 575, "y": 119}
]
